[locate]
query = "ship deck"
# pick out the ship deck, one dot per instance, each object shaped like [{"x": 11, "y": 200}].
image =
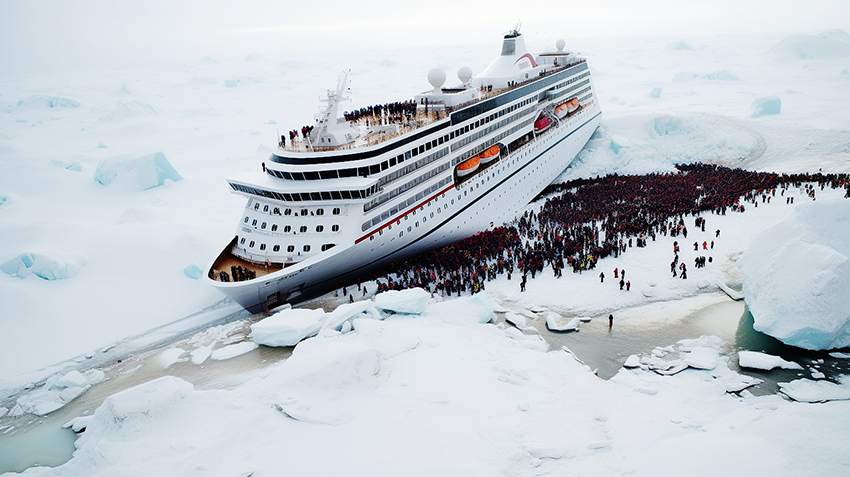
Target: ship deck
[
  {"x": 405, "y": 124},
  {"x": 227, "y": 263}
]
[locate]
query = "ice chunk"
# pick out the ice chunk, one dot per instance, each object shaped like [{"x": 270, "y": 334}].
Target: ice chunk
[
  {"x": 806, "y": 390},
  {"x": 795, "y": 277},
  {"x": 757, "y": 360},
  {"x": 829, "y": 44},
  {"x": 49, "y": 102},
  {"x": 345, "y": 313},
  {"x": 140, "y": 173},
  {"x": 618, "y": 143},
  {"x": 70, "y": 380},
  {"x": 655, "y": 93},
  {"x": 102, "y": 145},
  {"x": 682, "y": 45},
  {"x": 171, "y": 356},
  {"x": 130, "y": 109},
  {"x": 632, "y": 361},
  {"x": 193, "y": 271},
  {"x": 765, "y": 105},
  {"x": 516, "y": 320},
  {"x": 410, "y": 301},
  {"x": 288, "y": 327},
  {"x": 201, "y": 354},
  {"x": 234, "y": 350},
  {"x": 121, "y": 412},
  {"x": 43, "y": 266},
  {"x": 231, "y": 83},
  {"x": 840, "y": 355},
  {"x": 701, "y": 358},
  {"x": 556, "y": 322},
  {"x": 254, "y": 57}
]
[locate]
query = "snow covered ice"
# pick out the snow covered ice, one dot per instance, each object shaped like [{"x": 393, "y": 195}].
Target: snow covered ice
[{"x": 433, "y": 387}]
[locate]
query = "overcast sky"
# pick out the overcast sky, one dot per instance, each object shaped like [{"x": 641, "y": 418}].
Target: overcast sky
[{"x": 58, "y": 34}]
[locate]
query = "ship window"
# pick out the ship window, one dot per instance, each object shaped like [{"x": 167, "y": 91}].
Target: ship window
[
  {"x": 415, "y": 152},
  {"x": 306, "y": 248},
  {"x": 263, "y": 227},
  {"x": 311, "y": 175},
  {"x": 266, "y": 209},
  {"x": 315, "y": 196},
  {"x": 428, "y": 146},
  {"x": 328, "y": 174},
  {"x": 302, "y": 229},
  {"x": 290, "y": 248},
  {"x": 262, "y": 246},
  {"x": 276, "y": 248},
  {"x": 355, "y": 194},
  {"x": 246, "y": 219},
  {"x": 287, "y": 212},
  {"x": 276, "y": 211},
  {"x": 303, "y": 212},
  {"x": 287, "y": 176},
  {"x": 287, "y": 228},
  {"x": 392, "y": 161},
  {"x": 320, "y": 212},
  {"x": 254, "y": 223},
  {"x": 242, "y": 242},
  {"x": 421, "y": 149},
  {"x": 325, "y": 196},
  {"x": 400, "y": 158},
  {"x": 251, "y": 245},
  {"x": 298, "y": 176},
  {"x": 363, "y": 171},
  {"x": 385, "y": 165},
  {"x": 328, "y": 246},
  {"x": 336, "y": 211},
  {"x": 374, "y": 168},
  {"x": 346, "y": 194},
  {"x": 336, "y": 195},
  {"x": 440, "y": 140},
  {"x": 274, "y": 227},
  {"x": 335, "y": 228},
  {"x": 257, "y": 206},
  {"x": 407, "y": 155},
  {"x": 348, "y": 172},
  {"x": 400, "y": 234},
  {"x": 409, "y": 229},
  {"x": 320, "y": 228}
]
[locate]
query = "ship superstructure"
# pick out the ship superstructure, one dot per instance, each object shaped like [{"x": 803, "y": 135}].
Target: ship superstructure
[{"x": 356, "y": 192}]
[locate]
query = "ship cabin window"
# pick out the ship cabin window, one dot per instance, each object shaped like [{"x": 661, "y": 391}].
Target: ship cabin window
[
  {"x": 287, "y": 212},
  {"x": 421, "y": 149},
  {"x": 246, "y": 219},
  {"x": 320, "y": 228},
  {"x": 290, "y": 248},
  {"x": 440, "y": 140},
  {"x": 407, "y": 155},
  {"x": 266, "y": 209},
  {"x": 328, "y": 246},
  {"x": 320, "y": 212},
  {"x": 306, "y": 248},
  {"x": 303, "y": 229},
  {"x": 276, "y": 248},
  {"x": 415, "y": 152},
  {"x": 328, "y": 174},
  {"x": 274, "y": 227},
  {"x": 263, "y": 227},
  {"x": 262, "y": 246},
  {"x": 385, "y": 165},
  {"x": 348, "y": 172},
  {"x": 303, "y": 212},
  {"x": 374, "y": 168},
  {"x": 257, "y": 206},
  {"x": 392, "y": 161},
  {"x": 428, "y": 146},
  {"x": 336, "y": 211},
  {"x": 335, "y": 228},
  {"x": 251, "y": 245},
  {"x": 254, "y": 223},
  {"x": 287, "y": 228},
  {"x": 242, "y": 242},
  {"x": 311, "y": 175},
  {"x": 276, "y": 211}
]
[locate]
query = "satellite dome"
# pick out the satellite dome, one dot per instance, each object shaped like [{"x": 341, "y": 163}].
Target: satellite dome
[
  {"x": 436, "y": 77},
  {"x": 560, "y": 44},
  {"x": 464, "y": 74}
]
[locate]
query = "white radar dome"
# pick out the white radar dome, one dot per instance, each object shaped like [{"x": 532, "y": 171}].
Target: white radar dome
[
  {"x": 560, "y": 44},
  {"x": 464, "y": 74},
  {"x": 436, "y": 77}
]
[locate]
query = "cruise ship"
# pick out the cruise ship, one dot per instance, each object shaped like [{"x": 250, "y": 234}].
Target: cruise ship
[{"x": 358, "y": 190}]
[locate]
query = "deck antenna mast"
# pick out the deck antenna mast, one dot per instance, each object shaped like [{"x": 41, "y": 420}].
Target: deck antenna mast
[
  {"x": 327, "y": 127},
  {"x": 518, "y": 26}
]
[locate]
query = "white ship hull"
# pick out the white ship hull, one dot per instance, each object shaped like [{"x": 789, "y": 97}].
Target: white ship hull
[{"x": 400, "y": 193}]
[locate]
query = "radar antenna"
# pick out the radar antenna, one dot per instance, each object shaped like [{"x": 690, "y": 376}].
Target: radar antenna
[{"x": 518, "y": 26}]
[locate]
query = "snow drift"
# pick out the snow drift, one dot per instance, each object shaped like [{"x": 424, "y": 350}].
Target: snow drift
[
  {"x": 795, "y": 277},
  {"x": 140, "y": 173}
]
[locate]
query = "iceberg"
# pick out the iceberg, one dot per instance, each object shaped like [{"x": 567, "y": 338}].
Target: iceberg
[
  {"x": 765, "y": 105},
  {"x": 757, "y": 360},
  {"x": 140, "y": 173},
  {"x": 130, "y": 109},
  {"x": 43, "y": 266},
  {"x": 49, "y": 101},
  {"x": 829, "y": 44},
  {"x": 795, "y": 277},
  {"x": 411, "y": 301},
  {"x": 288, "y": 327}
]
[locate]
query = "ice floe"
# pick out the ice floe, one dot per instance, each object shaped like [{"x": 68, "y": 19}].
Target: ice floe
[
  {"x": 757, "y": 360},
  {"x": 411, "y": 301},
  {"x": 288, "y": 327},
  {"x": 140, "y": 173},
  {"x": 43, "y": 266}
]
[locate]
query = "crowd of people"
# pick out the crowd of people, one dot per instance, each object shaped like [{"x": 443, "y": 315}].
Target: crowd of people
[
  {"x": 582, "y": 221},
  {"x": 396, "y": 112}
]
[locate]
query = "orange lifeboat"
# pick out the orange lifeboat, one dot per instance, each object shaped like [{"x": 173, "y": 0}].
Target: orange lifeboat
[
  {"x": 490, "y": 154},
  {"x": 572, "y": 105},
  {"x": 562, "y": 109},
  {"x": 468, "y": 167},
  {"x": 542, "y": 123}
]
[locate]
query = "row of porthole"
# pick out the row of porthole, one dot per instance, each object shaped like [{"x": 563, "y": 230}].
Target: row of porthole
[
  {"x": 304, "y": 212},
  {"x": 289, "y": 248},
  {"x": 288, "y": 228}
]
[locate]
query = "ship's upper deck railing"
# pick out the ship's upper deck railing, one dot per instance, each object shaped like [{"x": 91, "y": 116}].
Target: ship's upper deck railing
[{"x": 380, "y": 129}]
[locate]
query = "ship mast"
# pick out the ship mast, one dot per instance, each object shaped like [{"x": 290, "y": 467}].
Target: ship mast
[{"x": 329, "y": 131}]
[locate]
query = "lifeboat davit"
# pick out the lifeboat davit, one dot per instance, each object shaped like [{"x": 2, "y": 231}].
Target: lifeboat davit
[
  {"x": 490, "y": 154},
  {"x": 542, "y": 124},
  {"x": 468, "y": 167}
]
